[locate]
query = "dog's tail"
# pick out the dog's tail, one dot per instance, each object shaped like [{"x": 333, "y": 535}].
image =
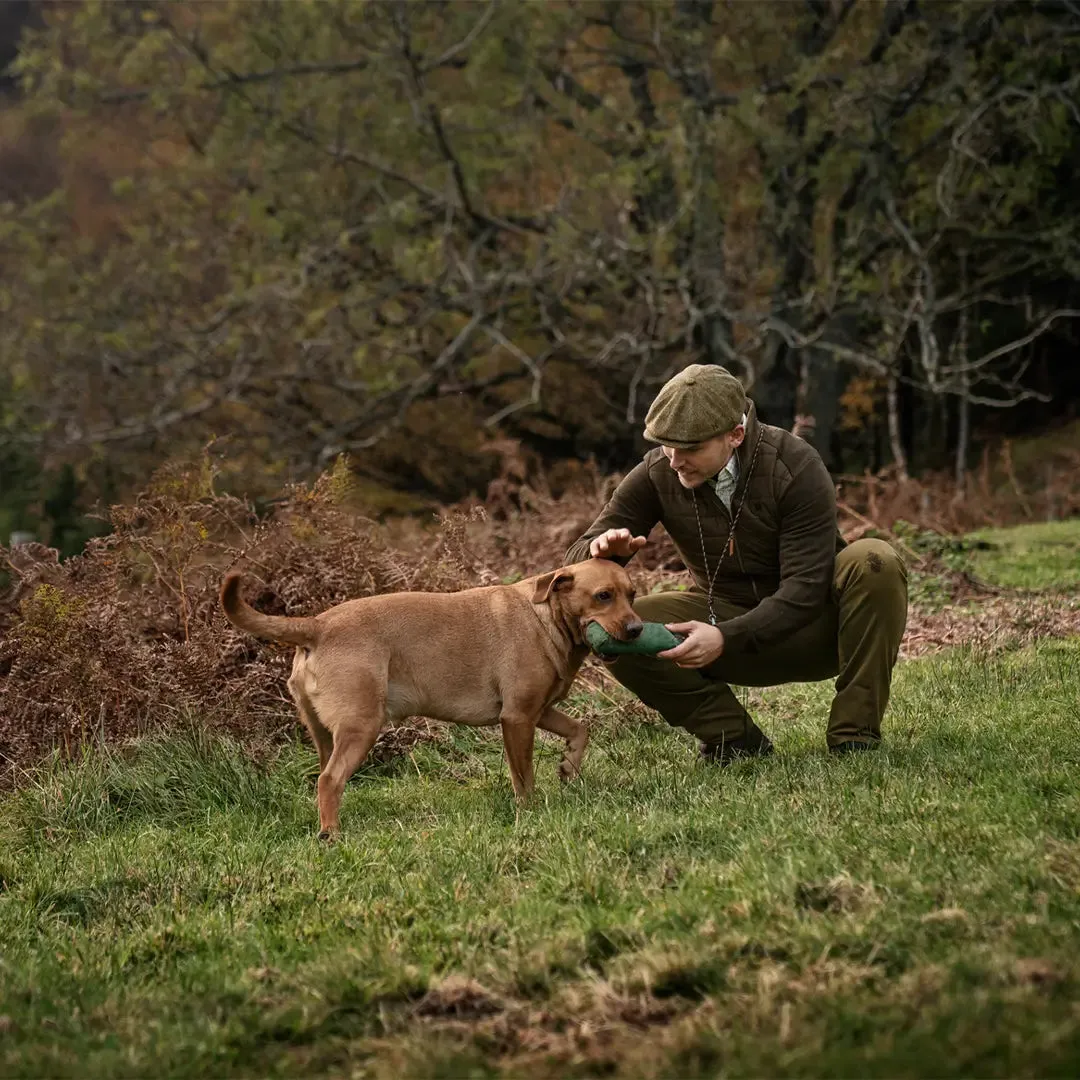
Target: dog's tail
[{"x": 275, "y": 627}]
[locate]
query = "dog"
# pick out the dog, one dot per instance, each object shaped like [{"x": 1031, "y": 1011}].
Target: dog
[{"x": 501, "y": 654}]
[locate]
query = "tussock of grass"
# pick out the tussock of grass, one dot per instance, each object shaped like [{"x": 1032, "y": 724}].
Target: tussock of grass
[{"x": 167, "y": 909}]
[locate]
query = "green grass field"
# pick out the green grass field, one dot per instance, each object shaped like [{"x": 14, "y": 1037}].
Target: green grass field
[
  {"x": 915, "y": 912},
  {"x": 1045, "y": 556}
]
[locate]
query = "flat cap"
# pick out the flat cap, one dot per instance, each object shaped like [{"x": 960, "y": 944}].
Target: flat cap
[{"x": 702, "y": 401}]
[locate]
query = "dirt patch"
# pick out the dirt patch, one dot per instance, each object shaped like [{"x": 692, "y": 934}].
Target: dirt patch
[
  {"x": 992, "y": 624},
  {"x": 599, "y": 1027},
  {"x": 1063, "y": 863},
  {"x": 584, "y": 1022},
  {"x": 1038, "y": 972},
  {"x": 459, "y": 998},
  {"x": 839, "y": 895}
]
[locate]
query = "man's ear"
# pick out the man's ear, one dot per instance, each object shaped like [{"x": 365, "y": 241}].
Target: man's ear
[
  {"x": 553, "y": 581},
  {"x": 738, "y": 433}
]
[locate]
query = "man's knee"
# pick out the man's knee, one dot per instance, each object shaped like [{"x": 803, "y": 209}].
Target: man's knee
[
  {"x": 874, "y": 566},
  {"x": 669, "y": 607},
  {"x": 651, "y": 607}
]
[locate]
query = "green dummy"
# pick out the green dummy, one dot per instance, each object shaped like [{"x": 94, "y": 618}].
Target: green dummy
[{"x": 654, "y": 637}]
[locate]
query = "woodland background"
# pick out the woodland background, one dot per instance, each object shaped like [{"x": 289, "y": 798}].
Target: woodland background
[{"x": 464, "y": 243}]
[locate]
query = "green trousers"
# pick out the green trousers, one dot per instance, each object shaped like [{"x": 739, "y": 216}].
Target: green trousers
[{"x": 855, "y": 639}]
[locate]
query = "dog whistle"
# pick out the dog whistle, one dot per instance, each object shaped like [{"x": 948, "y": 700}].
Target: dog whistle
[{"x": 731, "y": 545}]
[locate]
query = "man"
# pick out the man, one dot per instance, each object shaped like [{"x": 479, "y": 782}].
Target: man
[{"x": 777, "y": 597}]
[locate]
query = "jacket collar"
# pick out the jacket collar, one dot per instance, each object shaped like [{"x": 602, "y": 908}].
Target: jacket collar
[{"x": 745, "y": 450}]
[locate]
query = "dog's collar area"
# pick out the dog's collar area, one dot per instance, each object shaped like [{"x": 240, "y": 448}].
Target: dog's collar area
[
  {"x": 556, "y": 626},
  {"x": 571, "y": 626}
]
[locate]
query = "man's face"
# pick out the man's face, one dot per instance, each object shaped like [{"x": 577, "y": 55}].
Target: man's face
[{"x": 697, "y": 463}]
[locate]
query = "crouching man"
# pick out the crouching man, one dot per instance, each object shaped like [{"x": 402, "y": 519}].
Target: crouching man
[{"x": 777, "y": 595}]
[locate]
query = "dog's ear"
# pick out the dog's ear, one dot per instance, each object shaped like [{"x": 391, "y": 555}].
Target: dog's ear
[{"x": 553, "y": 581}]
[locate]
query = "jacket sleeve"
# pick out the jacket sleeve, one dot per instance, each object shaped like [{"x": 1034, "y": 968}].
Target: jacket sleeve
[
  {"x": 634, "y": 505},
  {"x": 807, "y": 560}
]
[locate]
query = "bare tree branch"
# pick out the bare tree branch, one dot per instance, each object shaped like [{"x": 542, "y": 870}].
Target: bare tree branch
[{"x": 461, "y": 46}]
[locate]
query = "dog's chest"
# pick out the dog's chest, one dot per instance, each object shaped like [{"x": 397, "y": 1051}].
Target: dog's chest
[{"x": 559, "y": 691}]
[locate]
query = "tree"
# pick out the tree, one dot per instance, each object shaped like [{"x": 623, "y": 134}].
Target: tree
[{"x": 398, "y": 229}]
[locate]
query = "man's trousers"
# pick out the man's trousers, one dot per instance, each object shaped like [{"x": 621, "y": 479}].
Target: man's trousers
[{"x": 855, "y": 640}]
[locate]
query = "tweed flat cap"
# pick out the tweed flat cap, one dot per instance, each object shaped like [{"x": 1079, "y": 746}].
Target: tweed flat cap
[{"x": 702, "y": 401}]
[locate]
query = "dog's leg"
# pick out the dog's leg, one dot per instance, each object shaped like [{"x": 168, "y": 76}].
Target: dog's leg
[
  {"x": 351, "y": 746},
  {"x": 576, "y": 735},
  {"x": 323, "y": 740},
  {"x": 518, "y": 735}
]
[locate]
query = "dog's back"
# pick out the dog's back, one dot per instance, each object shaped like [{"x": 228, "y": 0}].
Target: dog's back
[{"x": 450, "y": 656}]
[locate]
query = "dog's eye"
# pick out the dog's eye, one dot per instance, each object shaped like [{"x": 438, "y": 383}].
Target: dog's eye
[{"x": 602, "y": 597}]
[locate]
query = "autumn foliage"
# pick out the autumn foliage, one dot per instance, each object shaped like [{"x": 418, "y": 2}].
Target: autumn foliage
[{"x": 128, "y": 636}]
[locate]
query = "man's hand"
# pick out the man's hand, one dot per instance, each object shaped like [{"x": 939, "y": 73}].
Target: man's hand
[
  {"x": 616, "y": 542},
  {"x": 704, "y": 643}
]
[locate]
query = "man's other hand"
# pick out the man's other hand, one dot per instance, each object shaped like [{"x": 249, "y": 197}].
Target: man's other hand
[
  {"x": 616, "y": 542},
  {"x": 704, "y": 644}
]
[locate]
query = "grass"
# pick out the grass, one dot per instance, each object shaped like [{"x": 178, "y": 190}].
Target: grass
[
  {"x": 168, "y": 911},
  {"x": 1044, "y": 556}
]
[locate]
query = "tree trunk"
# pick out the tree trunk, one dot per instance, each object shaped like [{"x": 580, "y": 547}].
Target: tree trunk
[
  {"x": 896, "y": 442},
  {"x": 963, "y": 407},
  {"x": 776, "y": 384},
  {"x": 963, "y": 438}
]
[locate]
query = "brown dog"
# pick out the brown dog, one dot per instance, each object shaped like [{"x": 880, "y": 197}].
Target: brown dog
[{"x": 503, "y": 654}]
